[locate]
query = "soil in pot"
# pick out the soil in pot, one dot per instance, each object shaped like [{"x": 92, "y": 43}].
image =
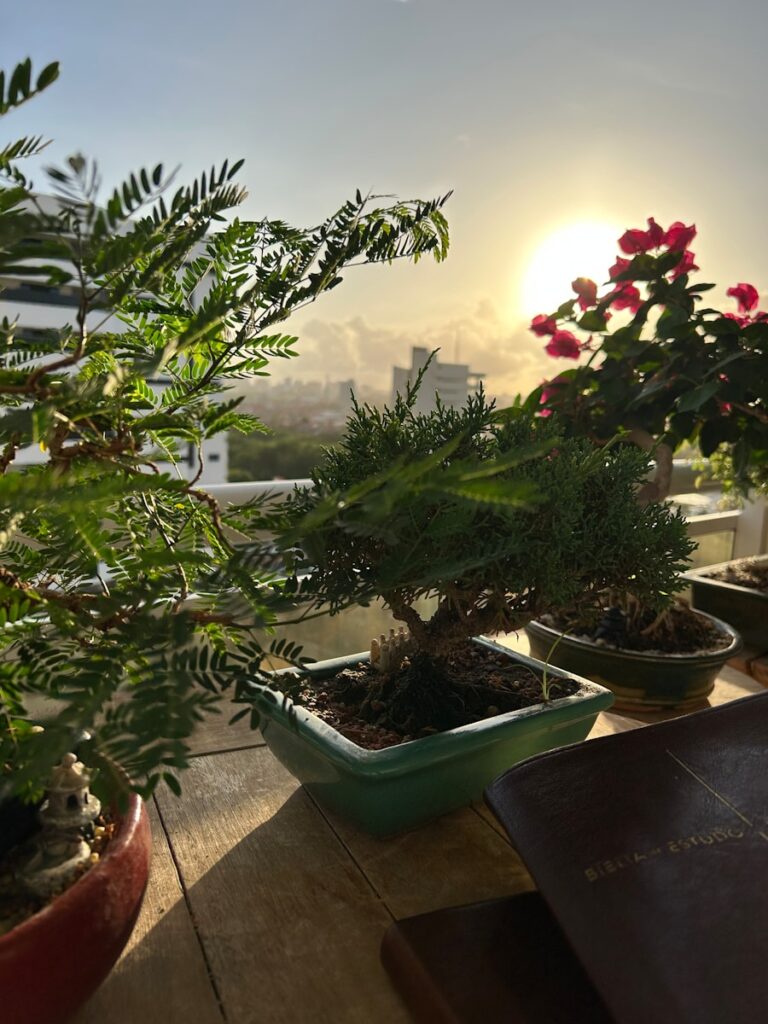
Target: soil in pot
[
  {"x": 750, "y": 573},
  {"x": 426, "y": 695},
  {"x": 649, "y": 662},
  {"x": 679, "y": 630},
  {"x": 16, "y": 902}
]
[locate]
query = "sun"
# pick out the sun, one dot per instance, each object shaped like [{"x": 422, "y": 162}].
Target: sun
[{"x": 584, "y": 249}]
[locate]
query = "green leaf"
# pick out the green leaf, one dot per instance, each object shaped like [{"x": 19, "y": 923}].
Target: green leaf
[
  {"x": 693, "y": 400},
  {"x": 20, "y": 85},
  {"x": 715, "y": 432},
  {"x": 47, "y": 76},
  {"x": 172, "y": 783},
  {"x": 723, "y": 326},
  {"x": 514, "y": 493},
  {"x": 591, "y": 320}
]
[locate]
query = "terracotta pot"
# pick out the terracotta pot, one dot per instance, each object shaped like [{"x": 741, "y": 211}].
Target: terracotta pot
[{"x": 52, "y": 962}]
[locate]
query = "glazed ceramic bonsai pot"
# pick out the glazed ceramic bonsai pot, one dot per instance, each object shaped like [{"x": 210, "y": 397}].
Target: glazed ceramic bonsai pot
[
  {"x": 400, "y": 787},
  {"x": 640, "y": 680},
  {"x": 52, "y": 962},
  {"x": 744, "y": 607}
]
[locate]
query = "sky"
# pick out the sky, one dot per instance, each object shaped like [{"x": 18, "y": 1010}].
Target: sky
[{"x": 539, "y": 116}]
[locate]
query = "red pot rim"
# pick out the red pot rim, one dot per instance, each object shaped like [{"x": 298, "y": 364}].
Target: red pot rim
[{"x": 129, "y": 823}]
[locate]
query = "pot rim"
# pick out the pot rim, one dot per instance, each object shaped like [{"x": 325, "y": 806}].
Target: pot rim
[
  {"x": 86, "y": 886},
  {"x": 698, "y": 576},
  {"x": 405, "y": 757},
  {"x": 649, "y": 657}
]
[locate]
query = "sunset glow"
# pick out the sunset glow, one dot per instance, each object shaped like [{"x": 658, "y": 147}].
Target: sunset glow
[{"x": 583, "y": 249}]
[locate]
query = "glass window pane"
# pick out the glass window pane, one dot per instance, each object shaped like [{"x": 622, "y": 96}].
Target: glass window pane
[{"x": 713, "y": 547}]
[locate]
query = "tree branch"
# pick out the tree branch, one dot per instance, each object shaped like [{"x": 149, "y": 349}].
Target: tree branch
[{"x": 658, "y": 488}]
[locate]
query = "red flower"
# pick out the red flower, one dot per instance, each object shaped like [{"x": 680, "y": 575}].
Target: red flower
[
  {"x": 543, "y": 325},
  {"x": 634, "y": 240},
  {"x": 627, "y": 296},
  {"x": 746, "y": 295},
  {"x": 586, "y": 291},
  {"x": 685, "y": 266},
  {"x": 679, "y": 237},
  {"x": 618, "y": 267},
  {"x": 742, "y": 321},
  {"x": 656, "y": 234},
  {"x": 548, "y": 392},
  {"x": 564, "y": 344}
]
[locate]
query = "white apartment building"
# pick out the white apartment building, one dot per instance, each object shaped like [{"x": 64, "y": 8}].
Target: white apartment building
[
  {"x": 37, "y": 307},
  {"x": 454, "y": 382}
]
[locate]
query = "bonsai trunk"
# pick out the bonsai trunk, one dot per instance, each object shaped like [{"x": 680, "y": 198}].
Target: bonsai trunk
[
  {"x": 457, "y": 619},
  {"x": 658, "y": 488}
]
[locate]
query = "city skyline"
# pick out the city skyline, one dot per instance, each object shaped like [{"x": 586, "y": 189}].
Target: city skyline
[{"x": 538, "y": 119}]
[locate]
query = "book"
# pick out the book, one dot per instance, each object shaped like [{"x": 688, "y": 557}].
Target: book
[
  {"x": 503, "y": 960},
  {"x": 651, "y": 850}
]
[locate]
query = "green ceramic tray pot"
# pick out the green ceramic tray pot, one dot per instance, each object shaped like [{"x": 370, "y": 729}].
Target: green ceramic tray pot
[
  {"x": 745, "y": 608},
  {"x": 639, "y": 680},
  {"x": 388, "y": 791}
]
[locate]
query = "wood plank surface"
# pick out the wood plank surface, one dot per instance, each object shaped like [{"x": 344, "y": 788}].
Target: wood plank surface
[
  {"x": 290, "y": 926},
  {"x": 161, "y": 977},
  {"x": 752, "y": 662},
  {"x": 759, "y": 669},
  {"x": 283, "y": 905},
  {"x": 215, "y": 734},
  {"x": 454, "y": 860}
]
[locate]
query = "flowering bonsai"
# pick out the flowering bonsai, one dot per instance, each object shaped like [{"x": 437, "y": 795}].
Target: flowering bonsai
[
  {"x": 658, "y": 363},
  {"x": 493, "y": 514},
  {"x": 125, "y": 605}
]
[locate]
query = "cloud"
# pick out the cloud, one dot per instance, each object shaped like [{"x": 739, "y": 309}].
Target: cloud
[{"x": 512, "y": 359}]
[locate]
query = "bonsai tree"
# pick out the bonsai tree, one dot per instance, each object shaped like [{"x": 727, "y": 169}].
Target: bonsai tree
[
  {"x": 493, "y": 514},
  {"x": 125, "y": 604},
  {"x": 677, "y": 371}
]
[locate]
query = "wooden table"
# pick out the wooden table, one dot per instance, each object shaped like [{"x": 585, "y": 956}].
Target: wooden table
[{"x": 261, "y": 907}]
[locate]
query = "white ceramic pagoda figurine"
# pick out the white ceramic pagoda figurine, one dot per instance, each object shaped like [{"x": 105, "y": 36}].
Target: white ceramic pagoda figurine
[
  {"x": 60, "y": 852},
  {"x": 388, "y": 652}
]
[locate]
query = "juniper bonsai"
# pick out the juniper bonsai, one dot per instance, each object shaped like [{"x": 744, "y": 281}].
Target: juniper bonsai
[
  {"x": 493, "y": 514},
  {"x": 105, "y": 543}
]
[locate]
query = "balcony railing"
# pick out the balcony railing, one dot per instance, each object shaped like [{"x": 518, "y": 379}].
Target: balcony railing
[{"x": 721, "y": 535}]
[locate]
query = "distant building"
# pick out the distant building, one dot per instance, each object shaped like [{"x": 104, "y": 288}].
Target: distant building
[
  {"x": 342, "y": 391},
  {"x": 454, "y": 382}
]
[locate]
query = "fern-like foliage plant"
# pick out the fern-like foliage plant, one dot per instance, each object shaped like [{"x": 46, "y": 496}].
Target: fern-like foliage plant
[{"x": 126, "y": 604}]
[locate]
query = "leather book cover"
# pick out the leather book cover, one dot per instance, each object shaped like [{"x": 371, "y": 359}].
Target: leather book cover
[
  {"x": 502, "y": 961},
  {"x": 651, "y": 849}
]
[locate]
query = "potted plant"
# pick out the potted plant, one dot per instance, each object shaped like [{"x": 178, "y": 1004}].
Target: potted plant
[
  {"x": 495, "y": 517},
  {"x": 671, "y": 372},
  {"x": 736, "y": 591},
  {"x": 649, "y": 661},
  {"x": 125, "y": 607}
]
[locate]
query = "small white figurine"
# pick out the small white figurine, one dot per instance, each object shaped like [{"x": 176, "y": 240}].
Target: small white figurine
[
  {"x": 387, "y": 653},
  {"x": 60, "y": 852},
  {"x": 70, "y": 805}
]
